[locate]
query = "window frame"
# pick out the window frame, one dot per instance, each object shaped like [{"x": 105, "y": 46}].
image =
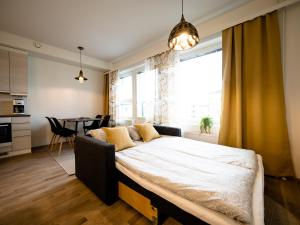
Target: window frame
[{"x": 133, "y": 72}]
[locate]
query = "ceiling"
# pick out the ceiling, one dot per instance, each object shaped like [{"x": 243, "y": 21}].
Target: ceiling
[{"x": 108, "y": 29}]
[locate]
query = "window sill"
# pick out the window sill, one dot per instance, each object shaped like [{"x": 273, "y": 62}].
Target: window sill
[{"x": 197, "y": 135}]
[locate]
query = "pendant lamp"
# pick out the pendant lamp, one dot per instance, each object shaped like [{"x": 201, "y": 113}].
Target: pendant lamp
[
  {"x": 184, "y": 35},
  {"x": 80, "y": 77}
]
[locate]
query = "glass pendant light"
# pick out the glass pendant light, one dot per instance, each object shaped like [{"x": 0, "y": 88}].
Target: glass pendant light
[
  {"x": 80, "y": 77},
  {"x": 184, "y": 35}
]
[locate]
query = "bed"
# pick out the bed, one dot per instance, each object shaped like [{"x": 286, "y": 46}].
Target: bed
[{"x": 157, "y": 179}]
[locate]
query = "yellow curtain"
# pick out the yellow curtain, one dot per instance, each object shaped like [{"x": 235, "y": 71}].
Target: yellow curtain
[
  {"x": 253, "y": 108},
  {"x": 106, "y": 94}
]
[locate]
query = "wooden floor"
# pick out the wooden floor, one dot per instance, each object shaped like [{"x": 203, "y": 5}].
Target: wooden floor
[{"x": 35, "y": 190}]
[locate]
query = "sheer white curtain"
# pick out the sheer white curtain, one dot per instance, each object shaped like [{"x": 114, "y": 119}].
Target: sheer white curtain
[
  {"x": 163, "y": 65},
  {"x": 113, "y": 81}
]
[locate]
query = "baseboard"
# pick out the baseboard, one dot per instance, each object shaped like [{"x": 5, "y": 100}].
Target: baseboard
[
  {"x": 16, "y": 153},
  {"x": 42, "y": 147},
  {"x": 39, "y": 148}
]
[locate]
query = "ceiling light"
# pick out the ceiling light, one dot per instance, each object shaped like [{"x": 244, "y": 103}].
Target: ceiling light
[
  {"x": 80, "y": 77},
  {"x": 184, "y": 35}
]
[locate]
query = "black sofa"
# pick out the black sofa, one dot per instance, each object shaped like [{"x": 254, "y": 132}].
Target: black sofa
[{"x": 95, "y": 167}]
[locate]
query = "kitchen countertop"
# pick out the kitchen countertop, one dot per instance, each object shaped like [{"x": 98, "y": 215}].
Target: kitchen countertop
[{"x": 15, "y": 115}]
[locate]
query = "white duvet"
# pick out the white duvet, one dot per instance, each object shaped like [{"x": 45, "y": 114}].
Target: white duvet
[{"x": 217, "y": 177}]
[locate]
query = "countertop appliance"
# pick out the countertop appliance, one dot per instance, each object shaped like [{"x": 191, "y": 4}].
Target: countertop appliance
[
  {"x": 18, "y": 106},
  {"x": 5, "y": 133}
]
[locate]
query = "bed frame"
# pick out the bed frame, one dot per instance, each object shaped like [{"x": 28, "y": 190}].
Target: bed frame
[{"x": 95, "y": 167}]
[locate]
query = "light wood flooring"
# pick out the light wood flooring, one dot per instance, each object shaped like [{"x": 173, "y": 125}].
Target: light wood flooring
[{"x": 35, "y": 190}]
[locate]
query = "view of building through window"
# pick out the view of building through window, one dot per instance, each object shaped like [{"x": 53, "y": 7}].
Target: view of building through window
[
  {"x": 198, "y": 84},
  {"x": 124, "y": 98},
  {"x": 146, "y": 83}
]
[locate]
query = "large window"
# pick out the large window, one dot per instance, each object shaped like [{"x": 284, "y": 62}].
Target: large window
[
  {"x": 124, "y": 98},
  {"x": 146, "y": 95},
  {"x": 198, "y": 84}
]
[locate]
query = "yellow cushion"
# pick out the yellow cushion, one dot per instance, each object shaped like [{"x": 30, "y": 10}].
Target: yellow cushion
[
  {"x": 118, "y": 136},
  {"x": 147, "y": 131}
]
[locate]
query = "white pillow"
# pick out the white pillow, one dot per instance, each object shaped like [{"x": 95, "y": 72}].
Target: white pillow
[
  {"x": 133, "y": 133},
  {"x": 98, "y": 134}
]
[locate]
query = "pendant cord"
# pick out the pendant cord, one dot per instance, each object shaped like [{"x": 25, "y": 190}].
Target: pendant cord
[
  {"x": 182, "y": 7},
  {"x": 80, "y": 60}
]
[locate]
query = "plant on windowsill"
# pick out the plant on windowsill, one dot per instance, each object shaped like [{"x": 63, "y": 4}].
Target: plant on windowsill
[{"x": 206, "y": 124}]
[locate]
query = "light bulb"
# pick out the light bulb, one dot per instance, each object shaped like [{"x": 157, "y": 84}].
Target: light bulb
[{"x": 81, "y": 80}]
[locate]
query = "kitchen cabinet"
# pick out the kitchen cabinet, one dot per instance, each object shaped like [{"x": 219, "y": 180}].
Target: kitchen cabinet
[
  {"x": 4, "y": 71},
  {"x": 18, "y": 77},
  {"x": 21, "y": 135},
  {"x": 21, "y": 143}
]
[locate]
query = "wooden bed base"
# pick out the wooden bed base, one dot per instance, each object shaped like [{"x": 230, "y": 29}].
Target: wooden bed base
[
  {"x": 152, "y": 206},
  {"x": 137, "y": 201}
]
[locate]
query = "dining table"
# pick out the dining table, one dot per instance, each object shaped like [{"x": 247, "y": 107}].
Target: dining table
[{"x": 79, "y": 120}]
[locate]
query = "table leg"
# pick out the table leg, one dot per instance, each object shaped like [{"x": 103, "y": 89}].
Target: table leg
[
  {"x": 84, "y": 127},
  {"x": 76, "y": 127}
]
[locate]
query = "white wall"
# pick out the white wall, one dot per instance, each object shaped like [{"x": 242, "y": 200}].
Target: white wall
[
  {"x": 53, "y": 91},
  {"x": 292, "y": 79}
]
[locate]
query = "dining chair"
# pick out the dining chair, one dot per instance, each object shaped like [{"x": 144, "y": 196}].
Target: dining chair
[
  {"x": 54, "y": 131},
  {"x": 105, "y": 121},
  {"x": 95, "y": 124},
  {"x": 65, "y": 133}
]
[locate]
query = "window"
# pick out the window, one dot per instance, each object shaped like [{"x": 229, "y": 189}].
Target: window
[
  {"x": 145, "y": 95},
  {"x": 195, "y": 90},
  {"x": 124, "y": 98},
  {"x": 198, "y": 84}
]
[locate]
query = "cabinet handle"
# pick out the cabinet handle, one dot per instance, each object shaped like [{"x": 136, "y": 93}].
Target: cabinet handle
[{"x": 3, "y": 125}]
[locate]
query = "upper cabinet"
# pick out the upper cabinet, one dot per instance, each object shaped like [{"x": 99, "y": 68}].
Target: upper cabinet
[
  {"x": 4, "y": 71},
  {"x": 18, "y": 80}
]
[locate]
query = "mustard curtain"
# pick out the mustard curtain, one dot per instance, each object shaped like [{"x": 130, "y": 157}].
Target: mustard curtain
[
  {"x": 253, "y": 108},
  {"x": 106, "y": 94}
]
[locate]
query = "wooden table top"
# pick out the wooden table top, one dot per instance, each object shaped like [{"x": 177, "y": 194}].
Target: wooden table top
[{"x": 80, "y": 119}]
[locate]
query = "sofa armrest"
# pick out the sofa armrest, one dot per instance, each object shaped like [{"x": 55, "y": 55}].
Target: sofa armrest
[
  {"x": 95, "y": 167},
  {"x": 165, "y": 130}
]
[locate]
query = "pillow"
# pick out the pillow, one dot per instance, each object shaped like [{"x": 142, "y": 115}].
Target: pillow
[
  {"x": 98, "y": 134},
  {"x": 133, "y": 133},
  {"x": 118, "y": 136},
  {"x": 147, "y": 131}
]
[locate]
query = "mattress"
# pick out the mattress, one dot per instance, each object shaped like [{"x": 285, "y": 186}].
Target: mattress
[{"x": 201, "y": 212}]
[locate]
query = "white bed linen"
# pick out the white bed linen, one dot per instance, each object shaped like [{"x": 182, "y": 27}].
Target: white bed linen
[
  {"x": 203, "y": 213},
  {"x": 214, "y": 176}
]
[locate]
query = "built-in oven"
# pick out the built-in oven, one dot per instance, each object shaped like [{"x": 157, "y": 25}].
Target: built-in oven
[{"x": 5, "y": 135}]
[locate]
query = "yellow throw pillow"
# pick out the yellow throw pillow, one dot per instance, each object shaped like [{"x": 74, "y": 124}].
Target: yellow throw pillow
[
  {"x": 118, "y": 136},
  {"x": 147, "y": 131}
]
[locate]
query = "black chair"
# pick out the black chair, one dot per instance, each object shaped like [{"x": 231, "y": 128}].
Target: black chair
[
  {"x": 63, "y": 132},
  {"x": 105, "y": 121},
  {"x": 95, "y": 124},
  {"x": 54, "y": 131}
]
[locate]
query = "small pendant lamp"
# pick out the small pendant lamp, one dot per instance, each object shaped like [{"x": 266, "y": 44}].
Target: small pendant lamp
[
  {"x": 184, "y": 35},
  {"x": 80, "y": 77}
]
